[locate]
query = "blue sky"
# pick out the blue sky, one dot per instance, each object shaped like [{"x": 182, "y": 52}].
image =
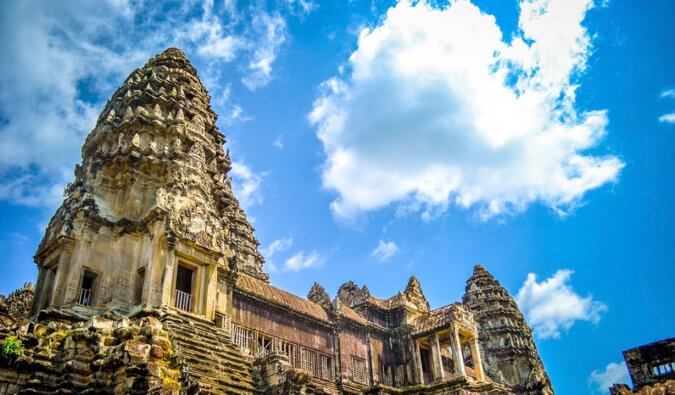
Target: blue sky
[{"x": 376, "y": 140}]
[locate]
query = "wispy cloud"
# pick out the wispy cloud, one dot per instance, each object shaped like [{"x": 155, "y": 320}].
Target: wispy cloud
[
  {"x": 552, "y": 306},
  {"x": 246, "y": 184},
  {"x": 272, "y": 32},
  {"x": 278, "y": 142},
  {"x": 668, "y": 93},
  {"x": 669, "y": 117},
  {"x": 301, "y": 261},
  {"x": 614, "y": 373},
  {"x": 275, "y": 247},
  {"x": 385, "y": 250}
]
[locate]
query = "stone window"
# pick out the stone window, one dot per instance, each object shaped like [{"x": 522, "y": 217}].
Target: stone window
[
  {"x": 265, "y": 345},
  {"x": 308, "y": 360},
  {"x": 663, "y": 369},
  {"x": 359, "y": 370},
  {"x": 138, "y": 286},
  {"x": 184, "y": 288},
  {"x": 87, "y": 288},
  {"x": 50, "y": 277},
  {"x": 326, "y": 371}
]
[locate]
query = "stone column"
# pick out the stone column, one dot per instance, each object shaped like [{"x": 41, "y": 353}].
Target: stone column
[
  {"x": 167, "y": 280},
  {"x": 417, "y": 360},
  {"x": 369, "y": 365},
  {"x": 210, "y": 290},
  {"x": 337, "y": 357},
  {"x": 436, "y": 360},
  {"x": 457, "y": 353},
  {"x": 477, "y": 362}
]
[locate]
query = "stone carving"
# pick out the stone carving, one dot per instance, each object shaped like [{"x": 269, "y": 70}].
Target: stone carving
[
  {"x": 507, "y": 346},
  {"x": 16, "y": 306},
  {"x": 126, "y": 157},
  {"x": 318, "y": 295}
]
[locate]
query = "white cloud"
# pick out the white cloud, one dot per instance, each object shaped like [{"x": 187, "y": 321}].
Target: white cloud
[
  {"x": 62, "y": 60},
  {"x": 246, "y": 184},
  {"x": 272, "y": 32},
  {"x": 552, "y": 306},
  {"x": 302, "y": 7},
  {"x": 668, "y": 93},
  {"x": 273, "y": 248},
  {"x": 438, "y": 109},
  {"x": 667, "y": 118},
  {"x": 670, "y": 117},
  {"x": 385, "y": 250},
  {"x": 278, "y": 142},
  {"x": 276, "y": 246},
  {"x": 300, "y": 261},
  {"x": 614, "y": 373}
]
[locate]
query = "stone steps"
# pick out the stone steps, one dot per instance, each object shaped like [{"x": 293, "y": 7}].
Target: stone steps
[{"x": 212, "y": 364}]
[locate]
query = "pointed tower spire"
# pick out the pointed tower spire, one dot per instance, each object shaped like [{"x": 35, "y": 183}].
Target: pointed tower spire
[
  {"x": 149, "y": 181},
  {"x": 510, "y": 355}
]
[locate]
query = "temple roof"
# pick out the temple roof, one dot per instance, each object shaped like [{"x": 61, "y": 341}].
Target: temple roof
[
  {"x": 278, "y": 296},
  {"x": 442, "y": 317}
]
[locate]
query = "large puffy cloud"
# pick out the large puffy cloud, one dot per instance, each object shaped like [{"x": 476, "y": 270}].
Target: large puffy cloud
[
  {"x": 552, "y": 306},
  {"x": 61, "y": 60},
  {"x": 439, "y": 109}
]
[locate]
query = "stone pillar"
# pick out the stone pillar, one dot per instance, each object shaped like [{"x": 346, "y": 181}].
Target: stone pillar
[
  {"x": 39, "y": 290},
  {"x": 370, "y": 365},
  {"x": 337, "y": 357},
  {"x": 477, "y": 362},
  {"x": 167, "y": 279},
  {"x": 457, "y": 353},
  {"x": 436, "y": 361},
  {"x": 417, "y": 361},
  {"x": 210, "y": 288}
]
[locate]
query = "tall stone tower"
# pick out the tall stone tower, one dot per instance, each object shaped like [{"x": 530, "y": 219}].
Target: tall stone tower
[
  {"x": 150, "y": 216},
  {"x": 509, "y": 353}
]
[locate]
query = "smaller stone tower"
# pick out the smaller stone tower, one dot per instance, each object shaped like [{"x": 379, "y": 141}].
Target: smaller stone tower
[{"x": 510, "y": 355}]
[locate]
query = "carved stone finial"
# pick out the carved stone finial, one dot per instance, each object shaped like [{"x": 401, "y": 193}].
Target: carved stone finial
[
  {"x": 413, "y": 293},
  {"x": 318, "y": 295}
]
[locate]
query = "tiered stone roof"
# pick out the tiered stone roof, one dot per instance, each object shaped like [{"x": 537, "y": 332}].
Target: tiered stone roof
[
  {"x": 157, "y": 153},
  {"x": 510, "y": 355}
]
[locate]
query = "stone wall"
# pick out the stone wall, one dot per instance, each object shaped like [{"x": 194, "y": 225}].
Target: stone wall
[{"x": 101, "y": 356}]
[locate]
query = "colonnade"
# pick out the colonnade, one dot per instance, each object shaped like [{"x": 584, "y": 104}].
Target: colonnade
[{"x": 437, "y": 370}]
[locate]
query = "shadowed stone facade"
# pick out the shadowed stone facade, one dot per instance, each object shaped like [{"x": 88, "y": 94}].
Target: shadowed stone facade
[
  {"x": 651, "y": 368},
  {"x": 150, "y": 281}
]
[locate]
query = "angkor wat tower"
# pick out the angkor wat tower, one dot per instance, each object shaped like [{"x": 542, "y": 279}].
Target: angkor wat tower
[
  {"x": 150, "y": 281},
  {"x": 509, "y": 353},
  {"x": 152, "y": 187}
]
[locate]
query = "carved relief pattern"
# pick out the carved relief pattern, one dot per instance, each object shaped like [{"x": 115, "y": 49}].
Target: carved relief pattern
[{"x": 156, "y": 153}]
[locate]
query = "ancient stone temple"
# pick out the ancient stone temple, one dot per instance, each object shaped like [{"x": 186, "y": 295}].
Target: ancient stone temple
[
  {"x": 509, "y": 353},
  {"x": 150, "y": 281},
  {"x": 651, "y": 368}
]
